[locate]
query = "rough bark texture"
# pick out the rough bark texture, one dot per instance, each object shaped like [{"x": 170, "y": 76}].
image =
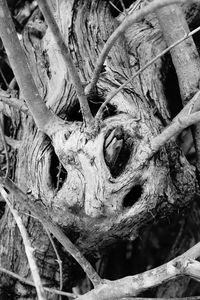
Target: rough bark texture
[{"x": 97, "y": 189}]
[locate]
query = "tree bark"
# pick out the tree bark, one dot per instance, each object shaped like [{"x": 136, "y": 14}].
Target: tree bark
[{"x": 98, "y": 190}]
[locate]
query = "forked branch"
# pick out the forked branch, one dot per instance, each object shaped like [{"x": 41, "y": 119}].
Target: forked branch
[
  {"x": 49, "y": 18},
  {"x": 20, "y": 67},
  {"x": 133, "y": 285}
]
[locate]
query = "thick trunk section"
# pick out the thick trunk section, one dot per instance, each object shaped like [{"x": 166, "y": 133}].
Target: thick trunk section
[{"x": 97, "y": 189}]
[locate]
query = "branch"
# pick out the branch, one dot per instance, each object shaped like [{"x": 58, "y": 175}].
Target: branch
[
  {"x": 123, "y": 6},
  {"x": 115, "y": 7},
  {"x": 185, "y": 56},
  {"x": 28, "y": 248},
  {"x": 133, "y": 285},
  {"x": 110, "y": 97},
  {"x": 39, "y": 211},
  {"x": 137, "y": 16},
  {"x": 50, "y": 290},
  {"x": 185, "y": 59},
  {"x": 45, "y": 9},
  {"x": 19, "y": 63},
  {"x": 183, "y": 120}
]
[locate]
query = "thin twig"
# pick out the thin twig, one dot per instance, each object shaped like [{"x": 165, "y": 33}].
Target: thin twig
[
  {"x": 59, "y": 261},
  {"x": 5, "y": 148},
  {"x": 30, "y": 203},
  {"x": 128, "y": 21},
  {"x": 49, "y": 18},
  {"x": 28, "y": 248},
  {"x": 123, "y": 6},
  {"x": 4, "y": 79},
  {"x": 110, "y": 97},
  {"x": 50, "y": 290},
  {"x": 41, "y": 114},
  {"x": 115, "y": 7}
]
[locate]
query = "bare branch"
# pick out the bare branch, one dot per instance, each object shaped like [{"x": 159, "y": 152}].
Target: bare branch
[
  {"x": 28, "y": 248},
  {"x": 185, "y": 60},
  {"x": 133, "y": 285},
  {"x": 110, "y": 97},
  {"x": 19, "y": 64},
  {"x": 28, "y": 282},
  {"x": 128, "y": 21},
  {"x": 115, "y": 7},
  {"x": 180, "y": 122},
  {"x": 185, "y": 55},
  {"x": 39, "y": 211},
  {"x": 45, "y": 9},
  {"x": 123, "y": 6}
]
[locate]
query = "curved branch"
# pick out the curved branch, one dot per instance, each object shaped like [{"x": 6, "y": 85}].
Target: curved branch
[
  {"x": 133, "y": 285},
  {"x": 19, "y": 63},
  {"x": 46, "y": 11},
  {"x": 128, "y": 21}
]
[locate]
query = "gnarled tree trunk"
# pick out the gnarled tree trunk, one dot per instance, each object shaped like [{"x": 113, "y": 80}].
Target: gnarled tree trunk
[{"x": 98, "y": 187}]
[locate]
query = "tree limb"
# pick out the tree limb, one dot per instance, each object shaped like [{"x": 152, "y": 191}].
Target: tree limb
[
  {"x": 19, "y": 63},
  {"x": 46, "y": 11},
  {"x": 183, "y": 120},
  {"x": 186, "y": 61},
  {"x": 133, "y": 285}
]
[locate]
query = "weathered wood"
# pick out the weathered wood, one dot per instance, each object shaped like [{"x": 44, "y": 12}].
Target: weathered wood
[{"x": 88, "y": 197}]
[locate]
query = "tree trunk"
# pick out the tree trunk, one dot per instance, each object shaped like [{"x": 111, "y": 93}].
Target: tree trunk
[{"x": 98, "y": 190}]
